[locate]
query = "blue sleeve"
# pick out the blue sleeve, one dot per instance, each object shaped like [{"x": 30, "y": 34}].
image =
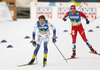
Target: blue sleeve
[
  {"x": 54, "y": 33},
  {"x": 33, "y": 35},
  {"x": 85, "y": 17}
]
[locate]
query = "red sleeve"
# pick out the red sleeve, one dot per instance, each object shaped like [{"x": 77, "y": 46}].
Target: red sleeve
[
  {"x": 82, "y": 14},
  {"x": 67, "y": 14}
]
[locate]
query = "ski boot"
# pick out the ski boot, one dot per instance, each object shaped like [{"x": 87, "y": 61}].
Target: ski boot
[
  {"x": 31, "y": 62},
  {"x": 74, "y": 54},
  {"x": 93, "y": 51},
  {"x": 44, "y": 62}
]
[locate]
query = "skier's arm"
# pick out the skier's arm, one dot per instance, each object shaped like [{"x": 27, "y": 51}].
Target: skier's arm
[
  {"x": 64, "y": 18},
  {"x": 53, "y": 28},
  {"x": 54, "y": 32},
  {"x": 34, "y": 32},
  {"x": 84, "y": 16}
]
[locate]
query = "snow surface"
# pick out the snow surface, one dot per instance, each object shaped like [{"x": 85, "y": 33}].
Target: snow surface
[{"x": 22, "y": 51}]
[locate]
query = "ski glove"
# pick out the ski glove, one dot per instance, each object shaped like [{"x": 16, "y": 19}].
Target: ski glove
[
  {"x": 33, "y": 42},
  {"x": 54, "y": 40},
  {"x": 87, "y": 21},
  {"x": 64, "y": 19}
]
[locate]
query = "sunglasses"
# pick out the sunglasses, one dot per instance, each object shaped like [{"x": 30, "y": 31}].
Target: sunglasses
[{"x": 72, "y": 10}]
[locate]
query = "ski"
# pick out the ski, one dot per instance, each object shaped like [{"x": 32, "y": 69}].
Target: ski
[
  {"x": 26, "y": 65},
  {"x": 22, "y": 65},
  {"x": 72, "y": 58},
  {"x": 94, "y": 53}
]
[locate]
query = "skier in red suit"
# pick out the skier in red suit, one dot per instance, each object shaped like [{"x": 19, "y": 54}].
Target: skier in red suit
[{"x": 75, "y": 19}]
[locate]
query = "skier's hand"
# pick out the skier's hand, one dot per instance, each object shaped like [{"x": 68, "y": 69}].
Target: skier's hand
[
  {"x": 54, "y": 39},
  {"x": 87, "y": 21},
  {"x": 33, "y": 42},
  {"x": 64, "y": 19}
]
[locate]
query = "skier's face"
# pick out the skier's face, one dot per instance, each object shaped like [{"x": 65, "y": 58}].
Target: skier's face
[
  {"x": 73, "y": 11},
  {"x": 42, "y": 21}
]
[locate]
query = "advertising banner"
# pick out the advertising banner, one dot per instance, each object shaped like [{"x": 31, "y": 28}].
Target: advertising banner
[
  {"x": 47, "y": 11},
  {"x": 91, "y": 10}
]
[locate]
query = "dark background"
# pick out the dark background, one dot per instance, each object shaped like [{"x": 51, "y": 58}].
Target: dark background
[{"x": 68, "y": 0}]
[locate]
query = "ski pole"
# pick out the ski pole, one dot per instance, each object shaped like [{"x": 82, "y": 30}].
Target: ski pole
[
  {"x": 94, "y": 19},
  {"x": 81, "y": 6},
  {"x": 60, "y": 53},
  {"x": 36, "y": 56},
  {"x": 36, "y": 59}
]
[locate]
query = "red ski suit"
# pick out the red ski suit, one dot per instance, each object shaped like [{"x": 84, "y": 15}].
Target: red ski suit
[{"x": 76, "y": 24}]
